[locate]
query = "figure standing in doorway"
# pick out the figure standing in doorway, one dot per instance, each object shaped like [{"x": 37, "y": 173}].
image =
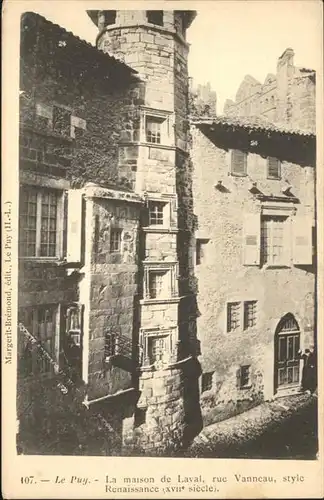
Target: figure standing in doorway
[{"x": 309, "y": 373}]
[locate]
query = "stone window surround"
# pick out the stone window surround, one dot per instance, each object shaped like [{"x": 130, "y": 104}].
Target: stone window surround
[
  {"x": 71, "y": 329},
  {"x": 241, "y": 314},
  {"x": 171, "y": 270},
  {"x": 167, "y": 120},
  {"x": 286, "y": 212},
  {"x": 61, "y": 195},
  {"x": 171, "y": 333}
]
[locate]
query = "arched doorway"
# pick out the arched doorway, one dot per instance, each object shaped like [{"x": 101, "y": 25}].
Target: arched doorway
[{"x": 287, "y": 361}]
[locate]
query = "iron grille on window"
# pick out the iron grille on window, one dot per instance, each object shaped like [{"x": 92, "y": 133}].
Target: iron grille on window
[
  {"x": 156, "y": 213},
  {"x": 233, "y": 316},
  {"x": 62, "y": 121},
  {"x": 38, "y": 223},
  {"x": 238, "y": 162},
  {"x": 250, "y": 311},
  {"x": 115, "y": 240},
  {"x": 156, "y": 282},
  {"x": 273, "y": 168}
]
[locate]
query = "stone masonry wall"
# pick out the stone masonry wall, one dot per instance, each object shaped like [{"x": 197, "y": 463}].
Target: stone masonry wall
[
  {"x": 278, "y": 291},
  {"x": 113, "y": 290}
]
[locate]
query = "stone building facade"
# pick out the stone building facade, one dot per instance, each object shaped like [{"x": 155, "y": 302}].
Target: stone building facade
[
  {"x": 285, "y": 98},
  {"x": 253, "y": 192},
  {"x": 126, "y": 212},
  {"x": 105, "y": 206}
]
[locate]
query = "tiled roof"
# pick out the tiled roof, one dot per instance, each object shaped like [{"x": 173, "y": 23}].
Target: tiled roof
[
  {"x": 69, "y": 36},
  {"x": 252, "y": 123}
]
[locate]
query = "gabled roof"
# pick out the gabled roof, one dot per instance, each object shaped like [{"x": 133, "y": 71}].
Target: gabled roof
[
  {"x": 251, "y": 123},
  {"x": 34, "y": 21}
]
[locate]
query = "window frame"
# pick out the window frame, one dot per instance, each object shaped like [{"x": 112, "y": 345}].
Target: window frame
[
  {"x": 169, "y": 212},
  {"x": 246, "y": 319},
  {"x": 41, "y": 366},
  {"x": 59, "y": 224},
  {"x": 165, "y": 118},
  {"x": 210, "y": 385},
  {"x": 157, "y": 203},
  {"x": 266, "y": 249},
  {"x": 229, "y": 328},
  {"x": 47, "y": 112},
  {"x": 147, "y": 334},
  {"x": 273, "y": 177},
  {"x": 170, "y": 271},
  {"x": 243, "y": 374},
  {"x": 200, "y": 255},
  {"x": 245, "y": 155}
]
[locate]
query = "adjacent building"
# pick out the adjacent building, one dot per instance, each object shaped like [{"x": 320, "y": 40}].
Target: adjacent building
[{"x": 286, "y": 98}]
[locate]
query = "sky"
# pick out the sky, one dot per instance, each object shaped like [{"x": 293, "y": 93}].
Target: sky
[{"x": 228, "y": 39}]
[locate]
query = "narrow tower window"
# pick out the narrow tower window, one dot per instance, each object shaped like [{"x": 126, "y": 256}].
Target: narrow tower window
[
  {"x": 155, "y": 17},
  {"x": 110, "y": 17}
]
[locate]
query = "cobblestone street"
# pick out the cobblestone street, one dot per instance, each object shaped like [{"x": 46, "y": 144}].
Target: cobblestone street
[{"x": 284, "y": 428}]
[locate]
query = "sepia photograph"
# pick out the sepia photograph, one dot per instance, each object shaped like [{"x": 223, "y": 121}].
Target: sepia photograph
[{"x": 167, "y": 267}]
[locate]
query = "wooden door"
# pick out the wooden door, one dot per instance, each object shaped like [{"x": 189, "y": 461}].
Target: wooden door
[{"x": 287, "y": 362}]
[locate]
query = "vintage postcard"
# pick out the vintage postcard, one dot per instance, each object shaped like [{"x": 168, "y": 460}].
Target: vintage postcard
[{"x": 162, "y": 249}]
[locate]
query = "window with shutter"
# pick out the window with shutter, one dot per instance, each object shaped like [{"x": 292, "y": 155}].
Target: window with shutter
[
  {"x": 238, "y": 162},
  {"x": 273, "y": 168},
  {"x": 302, "y": 240},
  {"x": 74, "y": 226},
  {"x": 251, "y": 240},
  {"x": 40, "y": 217}
]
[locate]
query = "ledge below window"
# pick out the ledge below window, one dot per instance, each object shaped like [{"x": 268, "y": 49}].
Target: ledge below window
[
  {"x": 170, "y": 300},
  {"x": 53, "y": 261}
]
